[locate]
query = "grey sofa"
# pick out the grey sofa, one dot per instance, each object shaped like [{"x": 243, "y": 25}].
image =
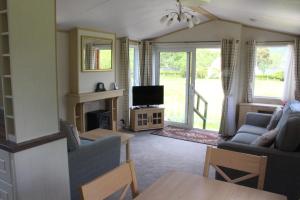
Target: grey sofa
[
  {"x": 283, "y": 166},
  {"x": 90, "y": 159}
]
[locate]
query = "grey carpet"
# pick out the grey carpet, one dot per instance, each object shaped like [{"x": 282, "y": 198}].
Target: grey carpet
[{"x": 155, "y": 156}]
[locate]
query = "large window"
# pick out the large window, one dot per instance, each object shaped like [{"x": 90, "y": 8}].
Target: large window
[{"x": 272, "y": 62}]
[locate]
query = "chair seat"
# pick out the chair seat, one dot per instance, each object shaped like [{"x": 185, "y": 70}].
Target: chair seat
[
  {"x": 252, "y": 129},
  {"x": 85, "y": 142},
  {"x": 244, "y": 138}
]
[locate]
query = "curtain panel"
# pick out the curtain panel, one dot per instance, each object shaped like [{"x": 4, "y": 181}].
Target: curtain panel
[
  {"x": 90, "y": 57},
  {"x": 250, "y": 64},
  {"x": 297, "y": 68},
  {"x": 229, "y": 57},
  {"x": 289, "y": 76},
  {"x": 124, "y": 77},
  {"x": 145, "y": 54}
]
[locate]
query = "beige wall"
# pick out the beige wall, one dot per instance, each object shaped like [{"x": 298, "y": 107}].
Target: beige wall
[
  {"x": 88, "y": 80},
  {"x": 33, "y": 68},
  {"x": 62, "y": 72}
]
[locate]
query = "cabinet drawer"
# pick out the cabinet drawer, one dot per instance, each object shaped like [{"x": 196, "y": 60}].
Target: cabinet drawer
[
  {"x": 6, "y": 191},
  {"x": 5, "y": 172}
]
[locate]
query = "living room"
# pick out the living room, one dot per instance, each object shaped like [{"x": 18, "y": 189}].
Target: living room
[{"x": 155, "y": 89}]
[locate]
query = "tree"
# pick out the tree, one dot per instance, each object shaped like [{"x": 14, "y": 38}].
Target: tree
[{"x": 264, "y": 61}]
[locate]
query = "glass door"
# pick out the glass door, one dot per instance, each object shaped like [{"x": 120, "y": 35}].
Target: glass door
[
  {"x": 173, "y": 74},
  {"x": 208, "y": 92}
]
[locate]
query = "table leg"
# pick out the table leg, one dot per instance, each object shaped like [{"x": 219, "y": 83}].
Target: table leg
[{"x": 128, "y": 151}]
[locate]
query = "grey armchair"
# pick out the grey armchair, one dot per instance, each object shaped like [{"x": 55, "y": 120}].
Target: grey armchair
[{"x": 91, "y": 160}]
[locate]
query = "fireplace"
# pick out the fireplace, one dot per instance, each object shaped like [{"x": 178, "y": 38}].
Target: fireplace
[{"x": 98, "y": 119}]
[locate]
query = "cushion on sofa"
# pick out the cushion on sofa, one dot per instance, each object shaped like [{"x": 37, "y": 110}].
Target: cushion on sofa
[
  {"x": 71, "y": 132},
  {"x": 252, "y": 129},
  {"x": 275, "y": 119},
  {"x": 244, "y": 138},
  {"x": 288, "y": 138},
  {"x": 267, "y": 139}
]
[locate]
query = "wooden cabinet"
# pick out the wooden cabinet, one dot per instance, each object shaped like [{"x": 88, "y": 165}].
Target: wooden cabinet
[
  {"x": 146, "y": 118},
  {"x": 254, "y": 107}
]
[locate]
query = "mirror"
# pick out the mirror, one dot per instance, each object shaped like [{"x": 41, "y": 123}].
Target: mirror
[{"x": 96, "y": 54}]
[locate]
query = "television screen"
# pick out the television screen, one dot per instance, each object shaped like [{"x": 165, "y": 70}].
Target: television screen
[{"x": 147, "y": 95}]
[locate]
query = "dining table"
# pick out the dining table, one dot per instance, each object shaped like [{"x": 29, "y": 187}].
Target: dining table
[{"x": 186, "y": 186}]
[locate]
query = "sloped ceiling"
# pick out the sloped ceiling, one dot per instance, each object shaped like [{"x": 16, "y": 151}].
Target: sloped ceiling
[
  {"x": 278, "y": 15},
  {"x": 139, "y": 19}
]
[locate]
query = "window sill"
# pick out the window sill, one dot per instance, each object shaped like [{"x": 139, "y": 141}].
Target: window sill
[{"x": 267, "y": 100}]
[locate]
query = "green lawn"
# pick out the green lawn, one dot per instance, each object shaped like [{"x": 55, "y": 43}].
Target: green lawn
[{"x": 211, "y": 90}]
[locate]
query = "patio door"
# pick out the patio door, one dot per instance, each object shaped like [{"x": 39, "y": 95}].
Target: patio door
[{"x": 173, "y": 72}]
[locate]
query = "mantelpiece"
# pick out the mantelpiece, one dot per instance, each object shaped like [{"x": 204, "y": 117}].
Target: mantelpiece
[
  {"x": 83, "y": 81},
  {"x": 76, "y": 110}
]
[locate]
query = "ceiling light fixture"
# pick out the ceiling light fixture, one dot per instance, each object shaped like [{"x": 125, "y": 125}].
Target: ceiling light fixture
[{"x": 181, "y": 14}]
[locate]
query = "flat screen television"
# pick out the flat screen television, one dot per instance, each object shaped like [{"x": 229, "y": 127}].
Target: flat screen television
[{"x": 147, "y": 95}]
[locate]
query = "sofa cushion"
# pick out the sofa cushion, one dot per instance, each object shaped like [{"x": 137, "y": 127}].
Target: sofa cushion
[
  {"x": 71, "y": 132},
  {"x": 267, "y": 139},
  {"x": 244, "y": 138},
  {"x": 288, "y": 138},
  {"x": 275, "y": 119},
  {"x": 252, "y": 129}
]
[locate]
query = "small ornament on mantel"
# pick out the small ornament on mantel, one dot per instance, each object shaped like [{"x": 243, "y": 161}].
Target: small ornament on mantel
[
  {"x": 100, "y": 87},
  {"x": 115, "y": 86}
]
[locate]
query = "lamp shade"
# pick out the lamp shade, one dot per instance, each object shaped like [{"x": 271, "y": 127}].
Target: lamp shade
[
  {"x": 164, "y": 19},
  {"x": 196, "y": 19},
  {"x": 190, "y": 23},
  {"x": 170, "y": 21}
]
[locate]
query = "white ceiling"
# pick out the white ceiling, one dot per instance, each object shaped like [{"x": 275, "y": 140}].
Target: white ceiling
[
  {"x": 139, "y": 19},
  {"x": 279, "y": 15}
]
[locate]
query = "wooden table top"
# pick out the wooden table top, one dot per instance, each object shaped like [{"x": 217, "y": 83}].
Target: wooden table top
[
  {"x": 184, "y": 186},
  {"x": 98, "y": 133}
]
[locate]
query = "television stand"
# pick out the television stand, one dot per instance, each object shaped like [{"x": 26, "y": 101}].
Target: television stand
[{"x": 146, "y": 118}]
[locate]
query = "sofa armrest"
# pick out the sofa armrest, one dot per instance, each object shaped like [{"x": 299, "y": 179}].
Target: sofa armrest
[
  {"x": 282, "y": 173},
  {"x": 258, "y": 119},
  {"x": 91, "y": 161}
]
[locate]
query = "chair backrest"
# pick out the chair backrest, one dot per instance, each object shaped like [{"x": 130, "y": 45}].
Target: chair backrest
[
  {"x": 252, "y": 164},
  {"x": 102, "y": 187}
]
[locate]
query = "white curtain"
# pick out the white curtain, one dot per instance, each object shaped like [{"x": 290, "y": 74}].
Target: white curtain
[
  {"x": 251, "y": 63},
  {"x": 289, "y": 77},
  {"x": 145, "y": 54},
  {"x": 124, "y": 77},
  {"x": 229, "y": 54},
  {"x": 297, "y": 67}
]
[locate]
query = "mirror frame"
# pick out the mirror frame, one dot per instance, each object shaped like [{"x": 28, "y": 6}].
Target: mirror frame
[{"x": 104, "y": 36}]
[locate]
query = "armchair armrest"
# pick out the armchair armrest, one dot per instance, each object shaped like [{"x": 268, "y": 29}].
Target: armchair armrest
[
  {"x": 91, "y": 161},
  {"x": 282, "y": 173},
  {"x": 258, "y": 119}
]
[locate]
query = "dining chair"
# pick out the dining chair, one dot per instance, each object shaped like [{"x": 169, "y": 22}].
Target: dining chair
[
  {"x": 254, "y": 165},
  {"x": 104, "y": 186}
]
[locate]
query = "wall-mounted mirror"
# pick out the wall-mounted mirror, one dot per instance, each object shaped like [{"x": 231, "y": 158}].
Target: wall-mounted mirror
[{"x": 96, "y": 54}]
